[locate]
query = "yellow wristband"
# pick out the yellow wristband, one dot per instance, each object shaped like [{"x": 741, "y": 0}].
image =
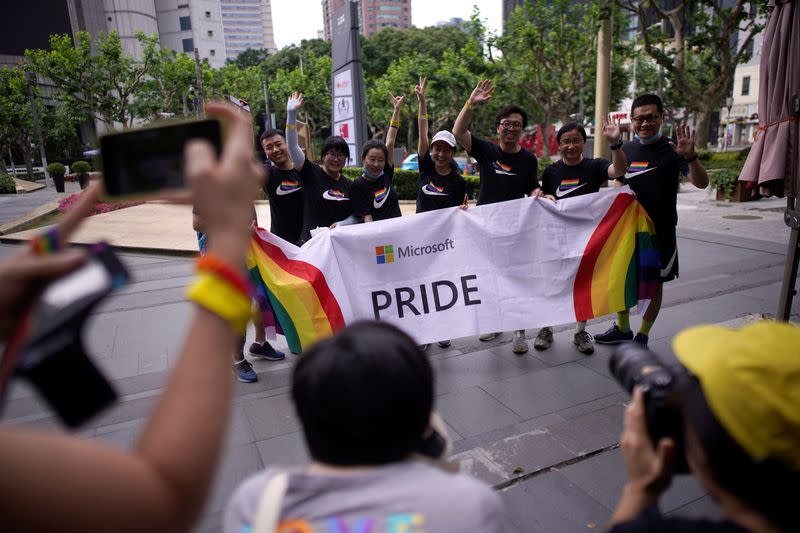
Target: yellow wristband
[
  {"x": 290, "y": 126},
  {"x": 422, "y": 117},
  {"x": 222, "y": 299},
  {"x": 466, "y": 105},
  {"x": 395, "y": 123}
]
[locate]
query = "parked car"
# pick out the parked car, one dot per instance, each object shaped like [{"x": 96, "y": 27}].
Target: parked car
[{"x": 467, "y": 164}]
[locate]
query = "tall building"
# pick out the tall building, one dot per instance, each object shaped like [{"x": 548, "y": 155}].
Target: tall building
[
  {"x": 127, "y": 17},
  {"x": 374, "y": 15},
  {"x": 508, "y": 7},
  {"x": 184, "y": 25},
  {"x": 741, "y": 120},
  {"x": 247, "y": 24}
]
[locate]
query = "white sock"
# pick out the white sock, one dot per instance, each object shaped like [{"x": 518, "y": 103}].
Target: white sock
[{"x": 581, "y": 326}]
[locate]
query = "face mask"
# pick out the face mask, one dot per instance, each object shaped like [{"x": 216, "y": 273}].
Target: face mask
[
  {"x": 653, "y": 138},
  {"x": 369, "y": 176}
]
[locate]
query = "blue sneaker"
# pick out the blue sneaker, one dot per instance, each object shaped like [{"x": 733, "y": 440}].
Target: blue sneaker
[
  {"x": 613, "y": 336},
  {"x": 265, "y": 351},
  {"x": 642, "y": 339},
  {"x": 244, "y": 371}
]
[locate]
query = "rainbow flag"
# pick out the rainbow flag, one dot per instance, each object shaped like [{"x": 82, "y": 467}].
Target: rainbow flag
[
  {"x": 298, "y": 294},
  {"x": 620, "y": 265}
]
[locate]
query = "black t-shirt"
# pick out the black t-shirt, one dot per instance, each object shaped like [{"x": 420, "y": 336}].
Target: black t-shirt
[
  {"x": 437, "y": 191},
  {"x": 565, "y": 181},
  {"x": 654, "y": 175},
  {"x": 325, "y": 200},
  {"x": 375, "y": 197},
  {"x": 285, "y": 195},
  {"x": 503, "y": 176},
  {"x": 652, "y": 521}
]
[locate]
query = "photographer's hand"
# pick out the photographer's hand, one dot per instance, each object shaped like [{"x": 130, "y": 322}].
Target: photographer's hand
[
  {"x": 649, "y": 468},
  {"x": 25, "y": 273}
]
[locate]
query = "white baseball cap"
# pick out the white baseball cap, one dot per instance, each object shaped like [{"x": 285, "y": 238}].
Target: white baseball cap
[{"x": 445, "y": 136}]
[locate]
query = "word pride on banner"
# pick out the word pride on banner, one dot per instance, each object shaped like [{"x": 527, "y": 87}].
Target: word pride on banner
[{"x": 450, "y": 273}]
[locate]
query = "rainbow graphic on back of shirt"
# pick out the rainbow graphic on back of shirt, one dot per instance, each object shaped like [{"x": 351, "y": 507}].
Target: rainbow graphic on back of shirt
[
  {"x": 620, "y": 265},
  {"x": 500, "y": 168},
  {"x": 567, "y": 185},
  {"x": 638, "y": 166},
  {"x": 298, "y": 293}
]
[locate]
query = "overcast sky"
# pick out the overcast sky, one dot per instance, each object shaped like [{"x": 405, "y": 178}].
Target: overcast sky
[{"x": 295, "y": 20}]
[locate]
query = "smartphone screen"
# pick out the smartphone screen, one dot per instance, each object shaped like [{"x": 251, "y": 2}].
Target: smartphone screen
[{"x": 150, "y": 159}]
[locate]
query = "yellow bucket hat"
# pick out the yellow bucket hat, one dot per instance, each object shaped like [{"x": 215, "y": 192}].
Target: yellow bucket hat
[{"x": 751, "y": 380}]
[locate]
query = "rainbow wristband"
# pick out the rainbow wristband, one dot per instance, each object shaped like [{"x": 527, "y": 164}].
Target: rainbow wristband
[
  {"x": 211, "y": 263},
  {"x": 221, "y": 298},
  {"x": 47, "y": 243}
]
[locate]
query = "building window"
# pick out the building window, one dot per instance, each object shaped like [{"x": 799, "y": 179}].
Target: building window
[
  {"x": 745, "y": 85},
  {"x": 186, "y": 23},
  {"x": 212, "y": 52},
  {"x": 210, "y": 33},
  {"x": 188, "y": 45},
  {"x": 182, "y": 5},
  {"x": 208, "y": 14}
]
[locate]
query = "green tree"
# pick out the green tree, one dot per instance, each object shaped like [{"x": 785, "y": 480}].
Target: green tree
[
  {"x": 288, "y": 57},
  {"x": 167, "y": 82},
  {"x": 250, "y": 58},
  {"x": 389, "y": 44},
  {"x": 548, "y": 48},
  {"x": 94, "y": 75},
  {"x": 16, "y": 125},
  {"x": 696, "y": 51}
]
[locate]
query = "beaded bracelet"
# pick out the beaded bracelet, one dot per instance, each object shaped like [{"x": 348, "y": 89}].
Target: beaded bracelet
[{"x": 47, "y": 243}]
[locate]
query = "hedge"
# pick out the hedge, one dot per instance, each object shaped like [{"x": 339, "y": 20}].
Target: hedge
[{"x": 7, "y": 185}]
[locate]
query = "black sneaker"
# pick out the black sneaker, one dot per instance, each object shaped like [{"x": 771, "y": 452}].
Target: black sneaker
[
  {"x": 263, "y": 350},
  {"x": 544, "y": 339},
  {"x": 642, "y": 339},
  {"x": 614, "y": 335},
  {"x": 443, "y": 344},
  {"x": 244, "y": 372}
]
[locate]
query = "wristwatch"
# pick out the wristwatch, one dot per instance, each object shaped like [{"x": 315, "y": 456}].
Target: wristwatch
[
  {"x": 693, "y": 158},
  {"x": 616, "y": 146}
]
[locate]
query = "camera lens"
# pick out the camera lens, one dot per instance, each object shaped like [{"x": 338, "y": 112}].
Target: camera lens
[{"x": 632, "y": 365}]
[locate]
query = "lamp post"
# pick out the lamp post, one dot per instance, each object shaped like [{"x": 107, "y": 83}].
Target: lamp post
[{"x": 729, "y": 106}]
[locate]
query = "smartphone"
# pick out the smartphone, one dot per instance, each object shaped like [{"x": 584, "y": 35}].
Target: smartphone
[
  {"x": 53, "y": 356},
  {"x": 146, "y": 160}
]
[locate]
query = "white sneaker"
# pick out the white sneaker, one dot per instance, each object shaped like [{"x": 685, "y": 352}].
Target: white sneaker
[
  {"x": 489, "y": 336},
  {"x": 520, "y": 345}
]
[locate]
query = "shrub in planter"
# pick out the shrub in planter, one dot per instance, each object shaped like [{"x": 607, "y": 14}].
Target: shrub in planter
[
  {"x": 742, "y": 154},
  {"x": 7, "y": 185},
  {"x": 82, "y": 168},
  {"x": 57, "y": 171},
  {"x": 724, "y": 181},
  {"x": 703, "y": 155}
]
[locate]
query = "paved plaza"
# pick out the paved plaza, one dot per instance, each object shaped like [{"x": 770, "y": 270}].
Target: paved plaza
[{"x": 542, "y": 427}]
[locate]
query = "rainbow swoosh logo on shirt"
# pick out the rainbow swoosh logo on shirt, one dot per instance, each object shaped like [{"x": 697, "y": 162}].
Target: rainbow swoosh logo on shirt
[
  {"x": 638, "y": 167},
  {"x": 335, "y": 194},
  {"x": 500, "y": 168},
  {"x": 432, "y": 190},
  {"x": 569, "y": 184},
  {"x": 288, "y": 187},
  {"x": 380, "y": 197}
]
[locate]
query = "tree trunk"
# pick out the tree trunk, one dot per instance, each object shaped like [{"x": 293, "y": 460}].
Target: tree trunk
[
  {"x": 28, "y": 163},
  {"x": 545, "y": 140},
  {"x": 703, "y": 120}
]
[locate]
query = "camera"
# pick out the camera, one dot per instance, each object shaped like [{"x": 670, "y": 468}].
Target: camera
[{"x": 664, "y": 387}]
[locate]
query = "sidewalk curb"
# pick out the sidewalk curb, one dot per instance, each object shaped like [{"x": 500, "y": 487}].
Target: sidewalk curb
[{"x": 32, "y": 216}]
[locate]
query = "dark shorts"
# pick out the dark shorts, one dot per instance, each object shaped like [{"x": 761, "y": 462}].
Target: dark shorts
[{"x": 668, "y": 247}]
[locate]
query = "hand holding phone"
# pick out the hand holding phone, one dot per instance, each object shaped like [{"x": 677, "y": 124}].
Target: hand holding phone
[{"x": 148, "y": 160}]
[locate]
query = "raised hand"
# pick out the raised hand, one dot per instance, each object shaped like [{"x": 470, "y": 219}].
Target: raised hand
[
  {"x": 419, "y": 89},
  {"x": 397, "y": 101},
  {"x": 294, "y": 102},
  {"x": 481, "y": 93},
  {"x": 685, "y": 146},
  {"x": 611, "y": 130}
]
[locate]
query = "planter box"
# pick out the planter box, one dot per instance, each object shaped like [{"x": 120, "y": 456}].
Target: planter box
[{"x": 740, "y": 193}]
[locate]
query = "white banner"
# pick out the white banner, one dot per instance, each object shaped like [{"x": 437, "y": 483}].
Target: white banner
[{"x": 499, "y": 267}]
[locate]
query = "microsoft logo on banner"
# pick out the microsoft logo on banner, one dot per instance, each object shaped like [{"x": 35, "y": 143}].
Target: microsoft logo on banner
[{"x": 384, "y": 254}]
